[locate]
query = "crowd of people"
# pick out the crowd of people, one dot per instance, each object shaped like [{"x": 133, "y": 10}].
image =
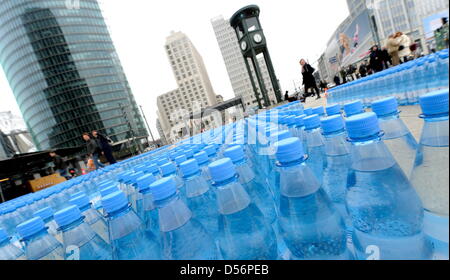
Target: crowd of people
[{"x": 97, "y": 145}]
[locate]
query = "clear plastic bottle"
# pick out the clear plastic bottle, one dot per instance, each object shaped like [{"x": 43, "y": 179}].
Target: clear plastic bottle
[
  {"x": 337, "y": 150},
  {"x": 80, "y": 241},
  {"x": 8, "y": 251},
  {"x": 309, "y": 224},
  {"x": 316, "y": 148},
  {"x": 47, "y": 216},
  {"x": 397, "y": 137},
  {"x": 38, "y": 243},
  {"x": 244, "y": 234},
  {"x": 201, "y": 200},
  {"x": 145, "y": 206},
  {"x": 91, "y": 216},
  {"x": 386, "y": 212},
  {"x": 431, "y": 168},
  {"x": 182, "y": 236},
  {"x": 129, "y": 241}
]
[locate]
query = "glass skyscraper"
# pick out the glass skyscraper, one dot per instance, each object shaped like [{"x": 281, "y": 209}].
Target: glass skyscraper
[{"x": 65, "y": 73}]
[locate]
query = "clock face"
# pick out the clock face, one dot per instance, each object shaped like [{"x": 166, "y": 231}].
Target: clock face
[
  {"x": 244, "y": 45},
  {"x": 257, "y": 38}
]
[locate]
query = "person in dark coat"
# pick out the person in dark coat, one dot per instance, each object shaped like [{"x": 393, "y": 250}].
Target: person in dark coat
[
  {"x": 308, "y": 79},
  {"x": 104, "y": 144},
  {"x": 376, "y": 60},
  {"x": 60, "y": 164},
  {"x": 93, "y": 150},
  {"x": 336, "y": 80},
  {"x": 363, "y": 69},
  {"x": 387, "y": 60}
]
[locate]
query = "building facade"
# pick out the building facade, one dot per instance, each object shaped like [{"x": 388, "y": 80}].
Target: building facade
[
  {"x": 194, "y": 91},
  {"x": 235, "y": 64},
  {"x": 64, "y": 72}
]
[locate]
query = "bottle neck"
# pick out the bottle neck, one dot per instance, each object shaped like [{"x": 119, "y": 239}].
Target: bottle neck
[
  {"x": 371, "y": 154},
  {"x": 231, "y": 196},
  {"x": 297, "y": 180},
  {"x": 314, "y": 138},
  {"x": 173, "y": 213},
  {"x": 336, "y": 143}
]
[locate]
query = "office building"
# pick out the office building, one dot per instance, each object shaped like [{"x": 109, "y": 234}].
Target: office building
[
  {"x": 193, "y": 94},
  {"x": 65, "y": 73}
]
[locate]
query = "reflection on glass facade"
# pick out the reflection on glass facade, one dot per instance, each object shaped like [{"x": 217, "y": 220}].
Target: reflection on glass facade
[{"x": 64, "y": 71}]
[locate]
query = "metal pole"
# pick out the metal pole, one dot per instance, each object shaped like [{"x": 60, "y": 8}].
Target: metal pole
[
  {"x": 255, "y": 89},
  {"x": 148, "y": 127}
]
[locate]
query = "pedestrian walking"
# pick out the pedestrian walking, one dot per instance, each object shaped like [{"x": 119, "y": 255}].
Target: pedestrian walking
[
  {"x": 336, "y": 80},
  {"x": 392, "y": 47},
  {"x": 403, "y": 50},
  {"x": 104, "y": 142},
  {"x": 308, "y": 79},
  {"x": 362, "y": 69},
  {"x": 60, "y": 164},
  {"x": 376, "y": 60},
  {"x": 387, "y": 60},
  {"x": 93, "y": 150}
]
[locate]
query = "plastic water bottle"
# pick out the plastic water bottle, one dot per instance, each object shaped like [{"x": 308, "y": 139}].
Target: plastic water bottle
[
  {"x": 320, "y": 111},
  {"x": 203, "y": 161},
  {"x": 309, "y": 224},
  {"x": 145, "y": 206},
  {"x": 255, "y": 186},
  {"x": 397, "y": 137},
  {"x": 91, "y": 216},
  {"x": 333, "y": 110},
  {"x": 47, "y": 216},
  {"x": 80, "y": 241},
  {"x": 337, "y": 151},
  {"x": 170, "y": 170},
  {"x": 353, "y": 108},
  {"x": 244, "y": 234},
  {"x": 182, "y": 236},
  {"x": 9, "y": 251},
  {"x": 430, "y": 173},
  {"x": 316, "y": 148},
  {"x": 38, "y": 243},
  {"x": 200, "y": 198},
  {"x": 129, "y": 241},
  {"x": 386, "y": 212}
]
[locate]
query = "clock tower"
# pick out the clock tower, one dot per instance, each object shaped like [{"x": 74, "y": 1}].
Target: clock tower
[{"x": 252, "y": 42}]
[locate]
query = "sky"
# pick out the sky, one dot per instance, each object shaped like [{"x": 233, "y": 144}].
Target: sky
[{"x": 294, "y": 29}]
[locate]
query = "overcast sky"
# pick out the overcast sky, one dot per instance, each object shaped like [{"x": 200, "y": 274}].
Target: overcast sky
[{"x": 294, "y": 29}]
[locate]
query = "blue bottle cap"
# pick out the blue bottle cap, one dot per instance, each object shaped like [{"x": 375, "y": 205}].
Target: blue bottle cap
[
  {"x": 44, "y": 213},
  {"x": 222, "y": 170},
  {"x": 76, "y": 194},
  {"x": 311, "y": 122},
  {"x": 235, "y": 153},
  {"x": 319, "y": 110},
  {"x": 210, "y": 150},
  {"x": 299, "y": 120},
  {"x": 434, "y": 103},
  {"x": 332, "y": 124},
  {"x": 67, "y": 215},
  {"x": 290, "y": 120},
  {"x": 3, "y": 235},
  {"x": 152, "y": 168},
  {"x": 163, "y": 188},
  {"x": 180, "y": 159},
  {"x": 362, "y": 125},
  {"x": 308, "y": 111},
  {"x": 189, "y": 167},
  {"x": 352, "y": 108},
  {"x": 385, "y": 106},
  {"x": 30, "y": 227},
  {"x": 114, "y": 201},
  {"x": 168, "y": 168},
  {"x": 80, "y": 201},
  {"x": 189, "y": 153},
  {"x": 201, "y": 157},
  {"x": 145, "y": 181},
  {"x": 105, "y": 191},
  {"x": 333, "y": 110},
  {"x": 288, "y": 150},
  {"x": 162, "y": 161},
  {"x": 280, "y": 135}
]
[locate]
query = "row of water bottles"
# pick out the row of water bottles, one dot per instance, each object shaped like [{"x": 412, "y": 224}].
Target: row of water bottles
[
  {"x": 407, "y": 82},
  {"x": 289, "y": 183}
]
